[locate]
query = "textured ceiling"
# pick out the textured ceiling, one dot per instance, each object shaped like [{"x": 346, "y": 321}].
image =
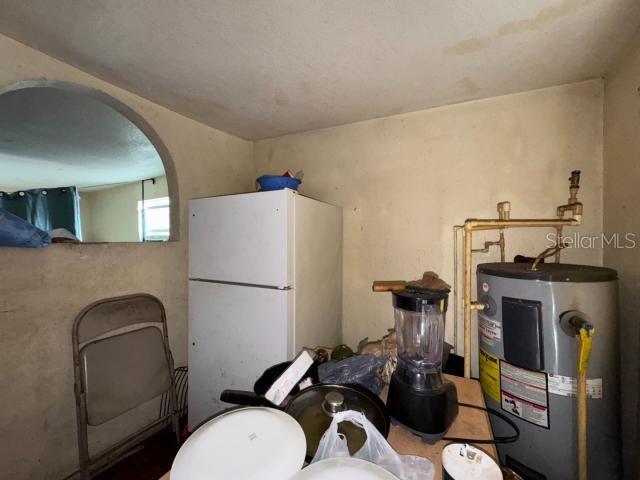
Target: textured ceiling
[
  {"x": 265, "y": 68},
  {"x": 54, "y": 138}
]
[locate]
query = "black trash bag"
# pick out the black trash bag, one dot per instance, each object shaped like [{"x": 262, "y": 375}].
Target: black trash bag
[{"x": 359, "y": 369}]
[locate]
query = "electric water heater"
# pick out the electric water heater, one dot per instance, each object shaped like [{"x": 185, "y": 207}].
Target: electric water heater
[{"x": 528, "y": 357}]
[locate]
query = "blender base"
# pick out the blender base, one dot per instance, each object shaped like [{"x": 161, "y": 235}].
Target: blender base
[
  {"x": 428, "y": 414},
  {"x": 430, "y": 438}
]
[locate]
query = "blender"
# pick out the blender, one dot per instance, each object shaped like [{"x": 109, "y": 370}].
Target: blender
[{"x": 420, "y": 398}]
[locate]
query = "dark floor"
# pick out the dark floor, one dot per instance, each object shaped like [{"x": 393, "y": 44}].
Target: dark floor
[{"x": 149, "y": 463}]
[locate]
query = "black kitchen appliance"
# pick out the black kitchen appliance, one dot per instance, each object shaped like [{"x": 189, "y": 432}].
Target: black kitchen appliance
[{"x": 420, "y": 399}]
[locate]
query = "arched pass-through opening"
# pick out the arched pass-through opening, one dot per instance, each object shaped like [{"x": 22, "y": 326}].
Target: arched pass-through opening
[{"x": 136, "y": 119}]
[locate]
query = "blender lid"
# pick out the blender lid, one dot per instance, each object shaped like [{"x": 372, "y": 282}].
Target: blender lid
[{"x": 413, "y": 298}]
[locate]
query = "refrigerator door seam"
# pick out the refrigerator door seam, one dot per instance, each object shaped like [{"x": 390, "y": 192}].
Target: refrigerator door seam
[{"x": 253, "y": 285}]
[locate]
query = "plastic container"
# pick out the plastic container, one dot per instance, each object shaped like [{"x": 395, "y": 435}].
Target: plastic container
[
  {"x": 420, "y": 336},
  {"x": 276, "y": 182}
]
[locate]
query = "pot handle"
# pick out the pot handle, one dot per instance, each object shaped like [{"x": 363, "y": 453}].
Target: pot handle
[{"x": 245, "y": 398}]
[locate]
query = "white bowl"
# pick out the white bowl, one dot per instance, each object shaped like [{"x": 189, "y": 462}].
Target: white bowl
[{"x": 343, "y": 469}]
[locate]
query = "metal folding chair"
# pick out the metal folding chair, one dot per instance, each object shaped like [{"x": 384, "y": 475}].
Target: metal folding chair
[{"x": 121, "y": 359}]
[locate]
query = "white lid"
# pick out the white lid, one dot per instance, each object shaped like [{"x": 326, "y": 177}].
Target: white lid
[
  {"x": 343, "y": 469},
  {"x": 254, "y": 443},
  {"x": 465, "y": 462}
]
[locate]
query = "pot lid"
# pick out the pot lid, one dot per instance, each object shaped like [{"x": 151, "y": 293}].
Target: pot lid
[
  {"x": 254, "y": 443},
  {"x": 343, "y": 469},
  {"x": 314, "y": 408}
]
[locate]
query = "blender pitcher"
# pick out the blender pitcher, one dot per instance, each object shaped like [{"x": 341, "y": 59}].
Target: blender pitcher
[{"x": 420, "y": 399}]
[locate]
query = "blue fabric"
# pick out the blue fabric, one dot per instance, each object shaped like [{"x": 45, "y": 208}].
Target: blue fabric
[
  {"x": 46, "y": 208},
  {"x": 274, "y": 182},
  {"x": 16, "y": 232}
]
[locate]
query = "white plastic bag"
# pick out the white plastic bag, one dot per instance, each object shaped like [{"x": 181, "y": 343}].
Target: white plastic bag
[{"x": 375, "y": 449}]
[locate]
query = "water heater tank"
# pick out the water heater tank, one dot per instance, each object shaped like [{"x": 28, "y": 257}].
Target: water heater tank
[{"x": 528, "y": 365}]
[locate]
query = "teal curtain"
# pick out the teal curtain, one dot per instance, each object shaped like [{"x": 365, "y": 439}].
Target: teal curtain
[{"x": 46, "y": 208}]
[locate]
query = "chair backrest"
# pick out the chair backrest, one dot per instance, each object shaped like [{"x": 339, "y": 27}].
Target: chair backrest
[
  {"x": 122, "y": 354},
  {"x": 115, "y": 313}
]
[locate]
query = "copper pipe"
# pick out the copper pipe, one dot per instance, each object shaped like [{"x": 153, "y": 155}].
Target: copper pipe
[
  {"x": 504, "y": 210},
  {"x": 572, "y": 205},
  {"x": 478, "y": 306},
  {"x": 494, "y": 224},
  {"x": 575, "y": 208},
  {"x": 504, "y": 213},
  {"x": 547, "y": 253},
  {"x": 487, "y": 246},
  {"x": 467, "y": 302},
  {"x": 474, "y": 224},
  {"x": 503, "y": 222},
  {"x": 455, "y": 286},
  {"x": 558, "y": 242}
]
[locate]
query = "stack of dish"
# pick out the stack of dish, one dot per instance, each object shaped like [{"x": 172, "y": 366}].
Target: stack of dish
[{"x": 260, "y": 443}]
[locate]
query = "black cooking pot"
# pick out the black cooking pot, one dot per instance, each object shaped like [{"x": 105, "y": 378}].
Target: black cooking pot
[{"x": 315, "y": 406}]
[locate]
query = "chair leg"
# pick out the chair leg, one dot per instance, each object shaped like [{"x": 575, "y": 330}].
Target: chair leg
[
  {"x": 176, "y": 426},
  {"x": 175, "y": 421},
  {"x": 83, "y": 437},
  {"x": 83, "y": 452}
]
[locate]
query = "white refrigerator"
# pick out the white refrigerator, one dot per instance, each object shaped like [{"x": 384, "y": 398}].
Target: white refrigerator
[{"x": 265, "y": 280}]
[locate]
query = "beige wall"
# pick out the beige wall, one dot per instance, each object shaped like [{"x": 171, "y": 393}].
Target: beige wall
[
  {"x": 405, "y": 180},
  {"x": 42, "y": 290},
  {"x": 622, "y": 215},
  {"x": 111, "y": 214}
]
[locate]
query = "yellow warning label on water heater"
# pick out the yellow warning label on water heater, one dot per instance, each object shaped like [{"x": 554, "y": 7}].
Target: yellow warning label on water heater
[{"x": 490, "y": 375}]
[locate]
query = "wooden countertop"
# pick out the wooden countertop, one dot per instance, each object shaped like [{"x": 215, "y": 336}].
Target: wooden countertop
[{"x": 470, "y": 423}]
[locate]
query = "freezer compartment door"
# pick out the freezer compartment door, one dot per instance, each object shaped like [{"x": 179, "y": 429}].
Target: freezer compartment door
[
  {"x": 244, "y": 238},
  {"x": 235, "y": 334}
]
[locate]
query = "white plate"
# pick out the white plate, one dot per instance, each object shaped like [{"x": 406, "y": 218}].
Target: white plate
[
  {"x": 466, "y": 462},
  {"x": 254, "y": 443},
  {"x": 343, "y": 469}
]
